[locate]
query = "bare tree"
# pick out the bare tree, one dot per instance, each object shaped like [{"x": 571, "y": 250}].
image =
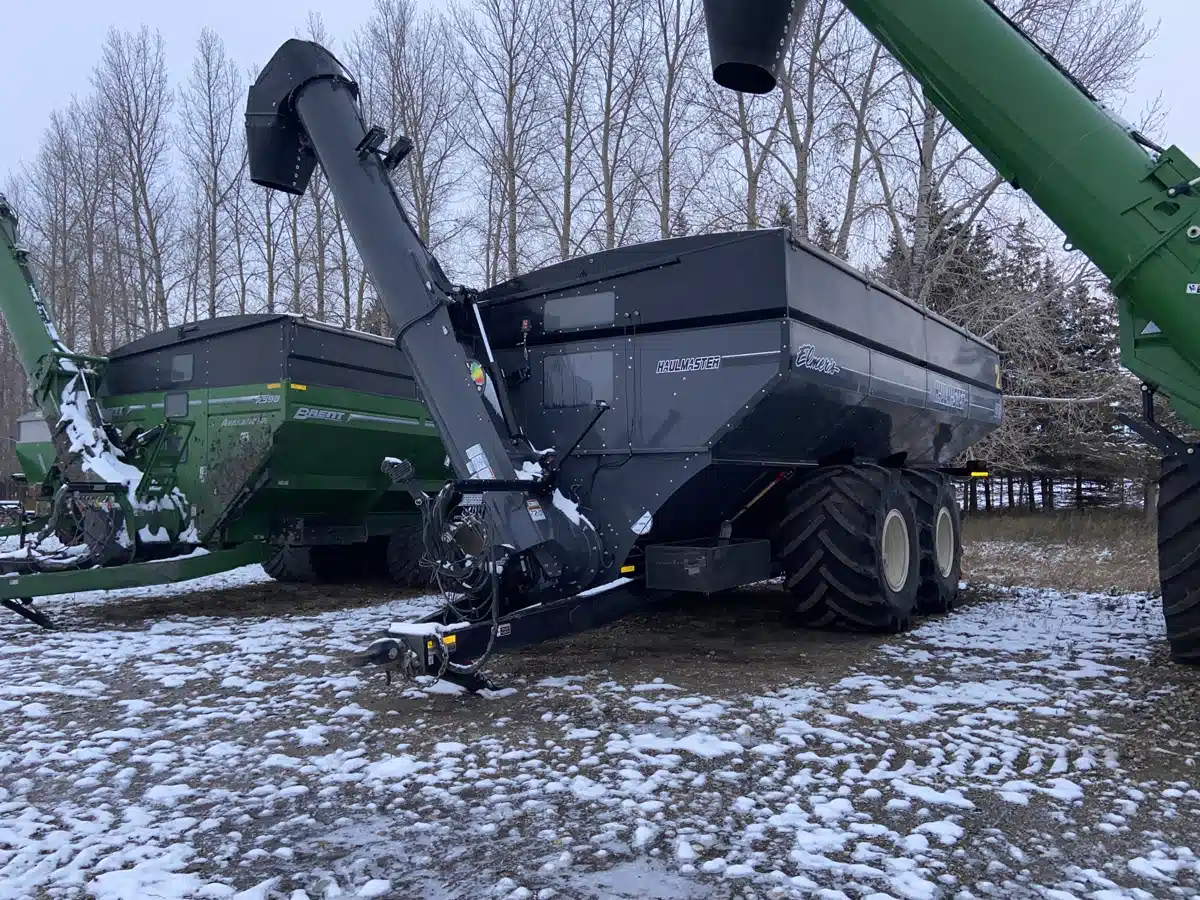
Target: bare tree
[
  {"x": 412, "y": 90},
  {"x": 502, "y": 73},
  {"x": 850, "y": 63},
  {"x": 619, "y": 59},
  {"x": 749, "y": 128},
  {"x": 927, "y": 173},
  {"x": 672, "y": 120},
  {"x": 53, "y": 221},
  {"x": 131, "y": 84},
  {"x": 89, "y": 170},
  {"x": 211, "y": 139},
  {"x": 567, "y": 185}
]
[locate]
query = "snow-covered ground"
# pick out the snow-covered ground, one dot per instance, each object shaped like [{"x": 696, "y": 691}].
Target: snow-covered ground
[{"x": 1018, "y": 748}]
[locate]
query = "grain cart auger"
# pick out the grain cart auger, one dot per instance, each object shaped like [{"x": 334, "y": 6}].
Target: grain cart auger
[
  {"x": 693, "y": 414},
  {"x": 1132, "y": 207},
  {"x": 113, "y": 497}
]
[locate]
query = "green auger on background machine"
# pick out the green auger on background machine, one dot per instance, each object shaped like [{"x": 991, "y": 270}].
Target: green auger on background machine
[{"x": 112, "y": 500}]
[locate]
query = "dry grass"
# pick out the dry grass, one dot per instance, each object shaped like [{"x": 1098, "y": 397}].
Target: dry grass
[{"x": 1101, "y": 551}]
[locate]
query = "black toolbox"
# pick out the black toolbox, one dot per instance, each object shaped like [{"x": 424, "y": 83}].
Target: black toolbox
[{"x": 707, "y": 567}]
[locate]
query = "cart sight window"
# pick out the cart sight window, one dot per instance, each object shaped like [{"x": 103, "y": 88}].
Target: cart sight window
[
  {"x": 182, "y": 367},
  {"x": 587, "y": 311},
  {"x": 175, "y": 405},
  {"x": 32, "y": 431},
  {"x": 577, "y": 379}
]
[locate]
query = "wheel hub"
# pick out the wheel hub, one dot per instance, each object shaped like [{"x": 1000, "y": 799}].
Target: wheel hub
[
  {"x": 896, "y": 552},
  {"x": 943, "y": 542}
]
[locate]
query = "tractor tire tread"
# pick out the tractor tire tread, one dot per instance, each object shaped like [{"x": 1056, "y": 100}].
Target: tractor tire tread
[
  {"x": 937, "y": 594},
  {"x": 405, "y": 549},
  {"x": 291, "y": 565},
  {"x": 1178, "y": 559},
  {"x": 827, "y": 545}
]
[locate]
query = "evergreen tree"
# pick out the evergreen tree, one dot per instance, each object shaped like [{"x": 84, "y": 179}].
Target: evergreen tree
[
  {"x": 897, "y": 269},
  {"x": 894, "y": 266},
  {"x": 783, "y": 215},
  {"x": 679, "y": 224},
  {"x": 824, "y": 236}
]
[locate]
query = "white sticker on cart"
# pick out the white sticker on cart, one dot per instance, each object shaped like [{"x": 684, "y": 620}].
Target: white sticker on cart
[
  {"x": 477, "y": 463},
  {"x": 644, "y": 524},
  {"x": 535, "y": 510},
  {"x": 1193, "y": 289}
]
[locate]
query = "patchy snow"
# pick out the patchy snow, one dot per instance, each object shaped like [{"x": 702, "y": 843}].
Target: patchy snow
[
  {"x": 531, "y": 471},
  {"x": 203, "y": 755}
]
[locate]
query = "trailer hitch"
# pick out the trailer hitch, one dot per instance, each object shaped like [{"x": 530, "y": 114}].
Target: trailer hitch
[
  {"x": 406, "y": 656},
  {"x": 392, "y": 655}
]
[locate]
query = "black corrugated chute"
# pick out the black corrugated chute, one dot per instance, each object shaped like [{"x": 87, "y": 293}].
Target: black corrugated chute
[{"x": 748, "y": 42}]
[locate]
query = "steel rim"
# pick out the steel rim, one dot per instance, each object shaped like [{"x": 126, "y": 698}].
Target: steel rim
[
  {"x": 943, "y": 542},
  {"x": 895, "y": 550}
]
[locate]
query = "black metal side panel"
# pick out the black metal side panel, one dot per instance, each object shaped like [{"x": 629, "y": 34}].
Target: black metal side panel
[
  {"x": 559, "y": 399},
  {"x": 826, "y": 292},
  {"x": 675, "y": 282},
  {"x": 694, "y": 386},
  {"x": 194, "y": 331},
  {"x": 842, "y": 397},
  {"x": 952, "y": 352},
  {"x": 250, "y": 351},
  {"x": 699, "y": 503},
  {"x": 345, "y": 359},
  {"x": 623, "y": 495}
]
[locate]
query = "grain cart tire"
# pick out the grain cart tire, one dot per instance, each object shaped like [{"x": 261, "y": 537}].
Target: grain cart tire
[
  {"x": 1179, "y": 556},
  {"x": 939, "y": 533},
  {"x": 292, "y": 565},
  {"x": 405, "y": 549},
  {"x": 849, "y": 549}
]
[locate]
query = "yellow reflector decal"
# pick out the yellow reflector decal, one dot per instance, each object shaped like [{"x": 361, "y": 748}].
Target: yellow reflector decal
[
  {"x": 299, "y": 387},
  {"x": 979, "y": 474},
  {"x": 450, "y": 640},
  {"x": 273, "y": 385},
  {"x": 625, "y": 570}
]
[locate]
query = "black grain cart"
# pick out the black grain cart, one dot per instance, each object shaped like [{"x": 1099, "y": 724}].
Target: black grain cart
[
  {"x": 685, "y": 415},
  {"x": 773, "y": 412}
]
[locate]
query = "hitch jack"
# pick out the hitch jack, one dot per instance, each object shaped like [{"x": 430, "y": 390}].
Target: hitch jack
[{"x": 26, "y": 610}]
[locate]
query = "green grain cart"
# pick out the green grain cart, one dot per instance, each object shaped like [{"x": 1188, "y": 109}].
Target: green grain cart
[{"x": 290, "y": 419}]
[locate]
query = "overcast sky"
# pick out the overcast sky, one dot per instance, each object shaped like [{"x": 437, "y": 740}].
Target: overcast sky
[{"x": 50, "y": 49}]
